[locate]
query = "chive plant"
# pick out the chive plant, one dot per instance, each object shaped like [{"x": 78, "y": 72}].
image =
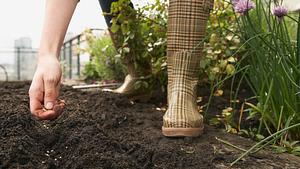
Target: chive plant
[{"x": 273, "y": 56}]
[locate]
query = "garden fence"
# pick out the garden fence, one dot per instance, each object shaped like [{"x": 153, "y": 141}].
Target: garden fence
[
  {"x": 17, "y": 64},
  {"x": 20, "y": 63}
]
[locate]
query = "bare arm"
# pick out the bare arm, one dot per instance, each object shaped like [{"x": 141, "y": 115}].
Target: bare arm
[
  {"x": 44, "y": 89},
  {"x": 56, "y": 21}
]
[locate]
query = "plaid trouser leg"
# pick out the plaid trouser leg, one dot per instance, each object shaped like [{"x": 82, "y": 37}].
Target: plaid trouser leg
[{"x": 186, "y": 31}]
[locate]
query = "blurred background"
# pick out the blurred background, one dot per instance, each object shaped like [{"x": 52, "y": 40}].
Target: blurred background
[{"x": 21, "y": 25}]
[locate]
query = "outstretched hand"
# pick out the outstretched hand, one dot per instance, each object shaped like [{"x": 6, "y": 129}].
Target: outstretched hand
[{"x": 44, "y": 89}]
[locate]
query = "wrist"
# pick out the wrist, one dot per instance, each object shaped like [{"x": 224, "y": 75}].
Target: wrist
[
  {"x": 46, "y": 53},
  {"x": 49, "y": 49},
  {"x": 47, "y": 58}
]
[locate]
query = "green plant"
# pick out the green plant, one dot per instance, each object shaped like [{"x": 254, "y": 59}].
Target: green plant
[
  {"x": 222, "y": 51},
  {"x": 273, "y": 72},
  {"x": 266, "y": 141},
  {"x": 103, "y": 65},
  {"x": 289, "y": 147},
  {"x": 222, "y": 43},
  {"x": 226, "y": 119},
  {"x": 251, "y": 133},
  {"x": 143, "y": 34}
]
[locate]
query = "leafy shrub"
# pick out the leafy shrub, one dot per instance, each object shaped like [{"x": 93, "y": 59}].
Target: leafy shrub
[
  {"x": 221, "y": 44},
  {"x": 144, "y": 30},
  {"x": 103, "y": 65},
  {"x": 143, "y": 34}
]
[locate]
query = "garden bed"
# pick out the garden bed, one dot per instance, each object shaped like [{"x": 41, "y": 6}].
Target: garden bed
[{"x": 104, "y": 130}]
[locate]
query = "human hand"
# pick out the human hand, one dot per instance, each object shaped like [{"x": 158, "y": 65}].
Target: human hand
[{"x": 44, "y": 89}]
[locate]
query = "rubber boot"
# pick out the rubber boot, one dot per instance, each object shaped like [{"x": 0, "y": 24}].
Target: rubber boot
[{"x": 186, "y": 31}]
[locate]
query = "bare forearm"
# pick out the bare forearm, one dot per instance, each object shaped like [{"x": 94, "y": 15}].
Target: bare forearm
[{"x": 57, "y": 18}]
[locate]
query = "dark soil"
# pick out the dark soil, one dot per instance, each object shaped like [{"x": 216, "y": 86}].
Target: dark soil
[{"x": 104, "y": 130}]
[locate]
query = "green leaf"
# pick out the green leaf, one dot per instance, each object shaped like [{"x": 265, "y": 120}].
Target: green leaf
[
  {"x": 214, "y": 121},
  {"x": 137, "y": 85},
  {"x": 126, "y": 50},
  {"x": 296, "y": 149},
  {"x": 259, "y": 136},
  {"x": 279, "y": 149},
  {"x": 131, "y": 36},
  {"x": 230, "y": 69},
  {"x": 145, "y": 84},
  {"x": 118, "y": 56},
  {"x": 294, "y": 143},
  {"x": 114, "y": 28}
]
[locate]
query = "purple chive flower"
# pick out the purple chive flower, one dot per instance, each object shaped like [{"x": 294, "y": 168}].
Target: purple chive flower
[
  {"x": 280, "y": 12},
  {"x": 235, "y": 2},
  {"x": 243, "y": 6}
]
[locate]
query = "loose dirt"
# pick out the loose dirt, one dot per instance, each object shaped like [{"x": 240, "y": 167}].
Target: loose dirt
[{"x": 105, "y": 130}]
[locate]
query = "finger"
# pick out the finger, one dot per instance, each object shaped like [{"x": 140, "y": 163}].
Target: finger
[
  {"x": 58, "y": 109},
  {"x": 35, "y": 106},
  {"x": 42, "y": 114},
  {"x": 51, "y": 93},
  {"x": 36, "y": 100},
  {"x": 39, "y": 112},
  {"x": 59, "y": 106},
  {"x": 46, "y": 115},
  {"x": 62, "y": 103},
  {"x": 59, "y": 101}
]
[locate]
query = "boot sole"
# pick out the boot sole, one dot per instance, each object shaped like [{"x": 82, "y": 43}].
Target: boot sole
[{"x": 182, "y": 132}]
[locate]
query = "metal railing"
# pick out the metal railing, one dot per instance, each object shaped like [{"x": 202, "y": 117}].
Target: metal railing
[
  {"x": 20, "y": 63},
  {"x": 17, "y": 63},
  {"x": 5, "y": 72},
  {"x": 71, "y": 58}
]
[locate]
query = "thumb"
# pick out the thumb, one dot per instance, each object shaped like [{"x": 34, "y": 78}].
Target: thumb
[{"x": 51, "y": 94}]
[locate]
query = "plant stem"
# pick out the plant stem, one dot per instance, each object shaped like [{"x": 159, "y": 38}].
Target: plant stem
[
  {"x": 229, "y": 144},
  {"x": 262, "y": 141},
  {"x": 298, "y": 46}
]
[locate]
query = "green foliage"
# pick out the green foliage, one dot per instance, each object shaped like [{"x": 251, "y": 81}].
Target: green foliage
[
  {"x": 289, "y": 147},
  {"x": 226, "y": 119},
  {"x": 142, "y": 33},
  {"x": 273, "y": 72},
  {"x": 104, "y": 65},
  {"x": 251, "y": 133},
  {"x": 222, "y": 53},
  {"x": 292, "y": 25},
  {"x": 222, "y": 43}
]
